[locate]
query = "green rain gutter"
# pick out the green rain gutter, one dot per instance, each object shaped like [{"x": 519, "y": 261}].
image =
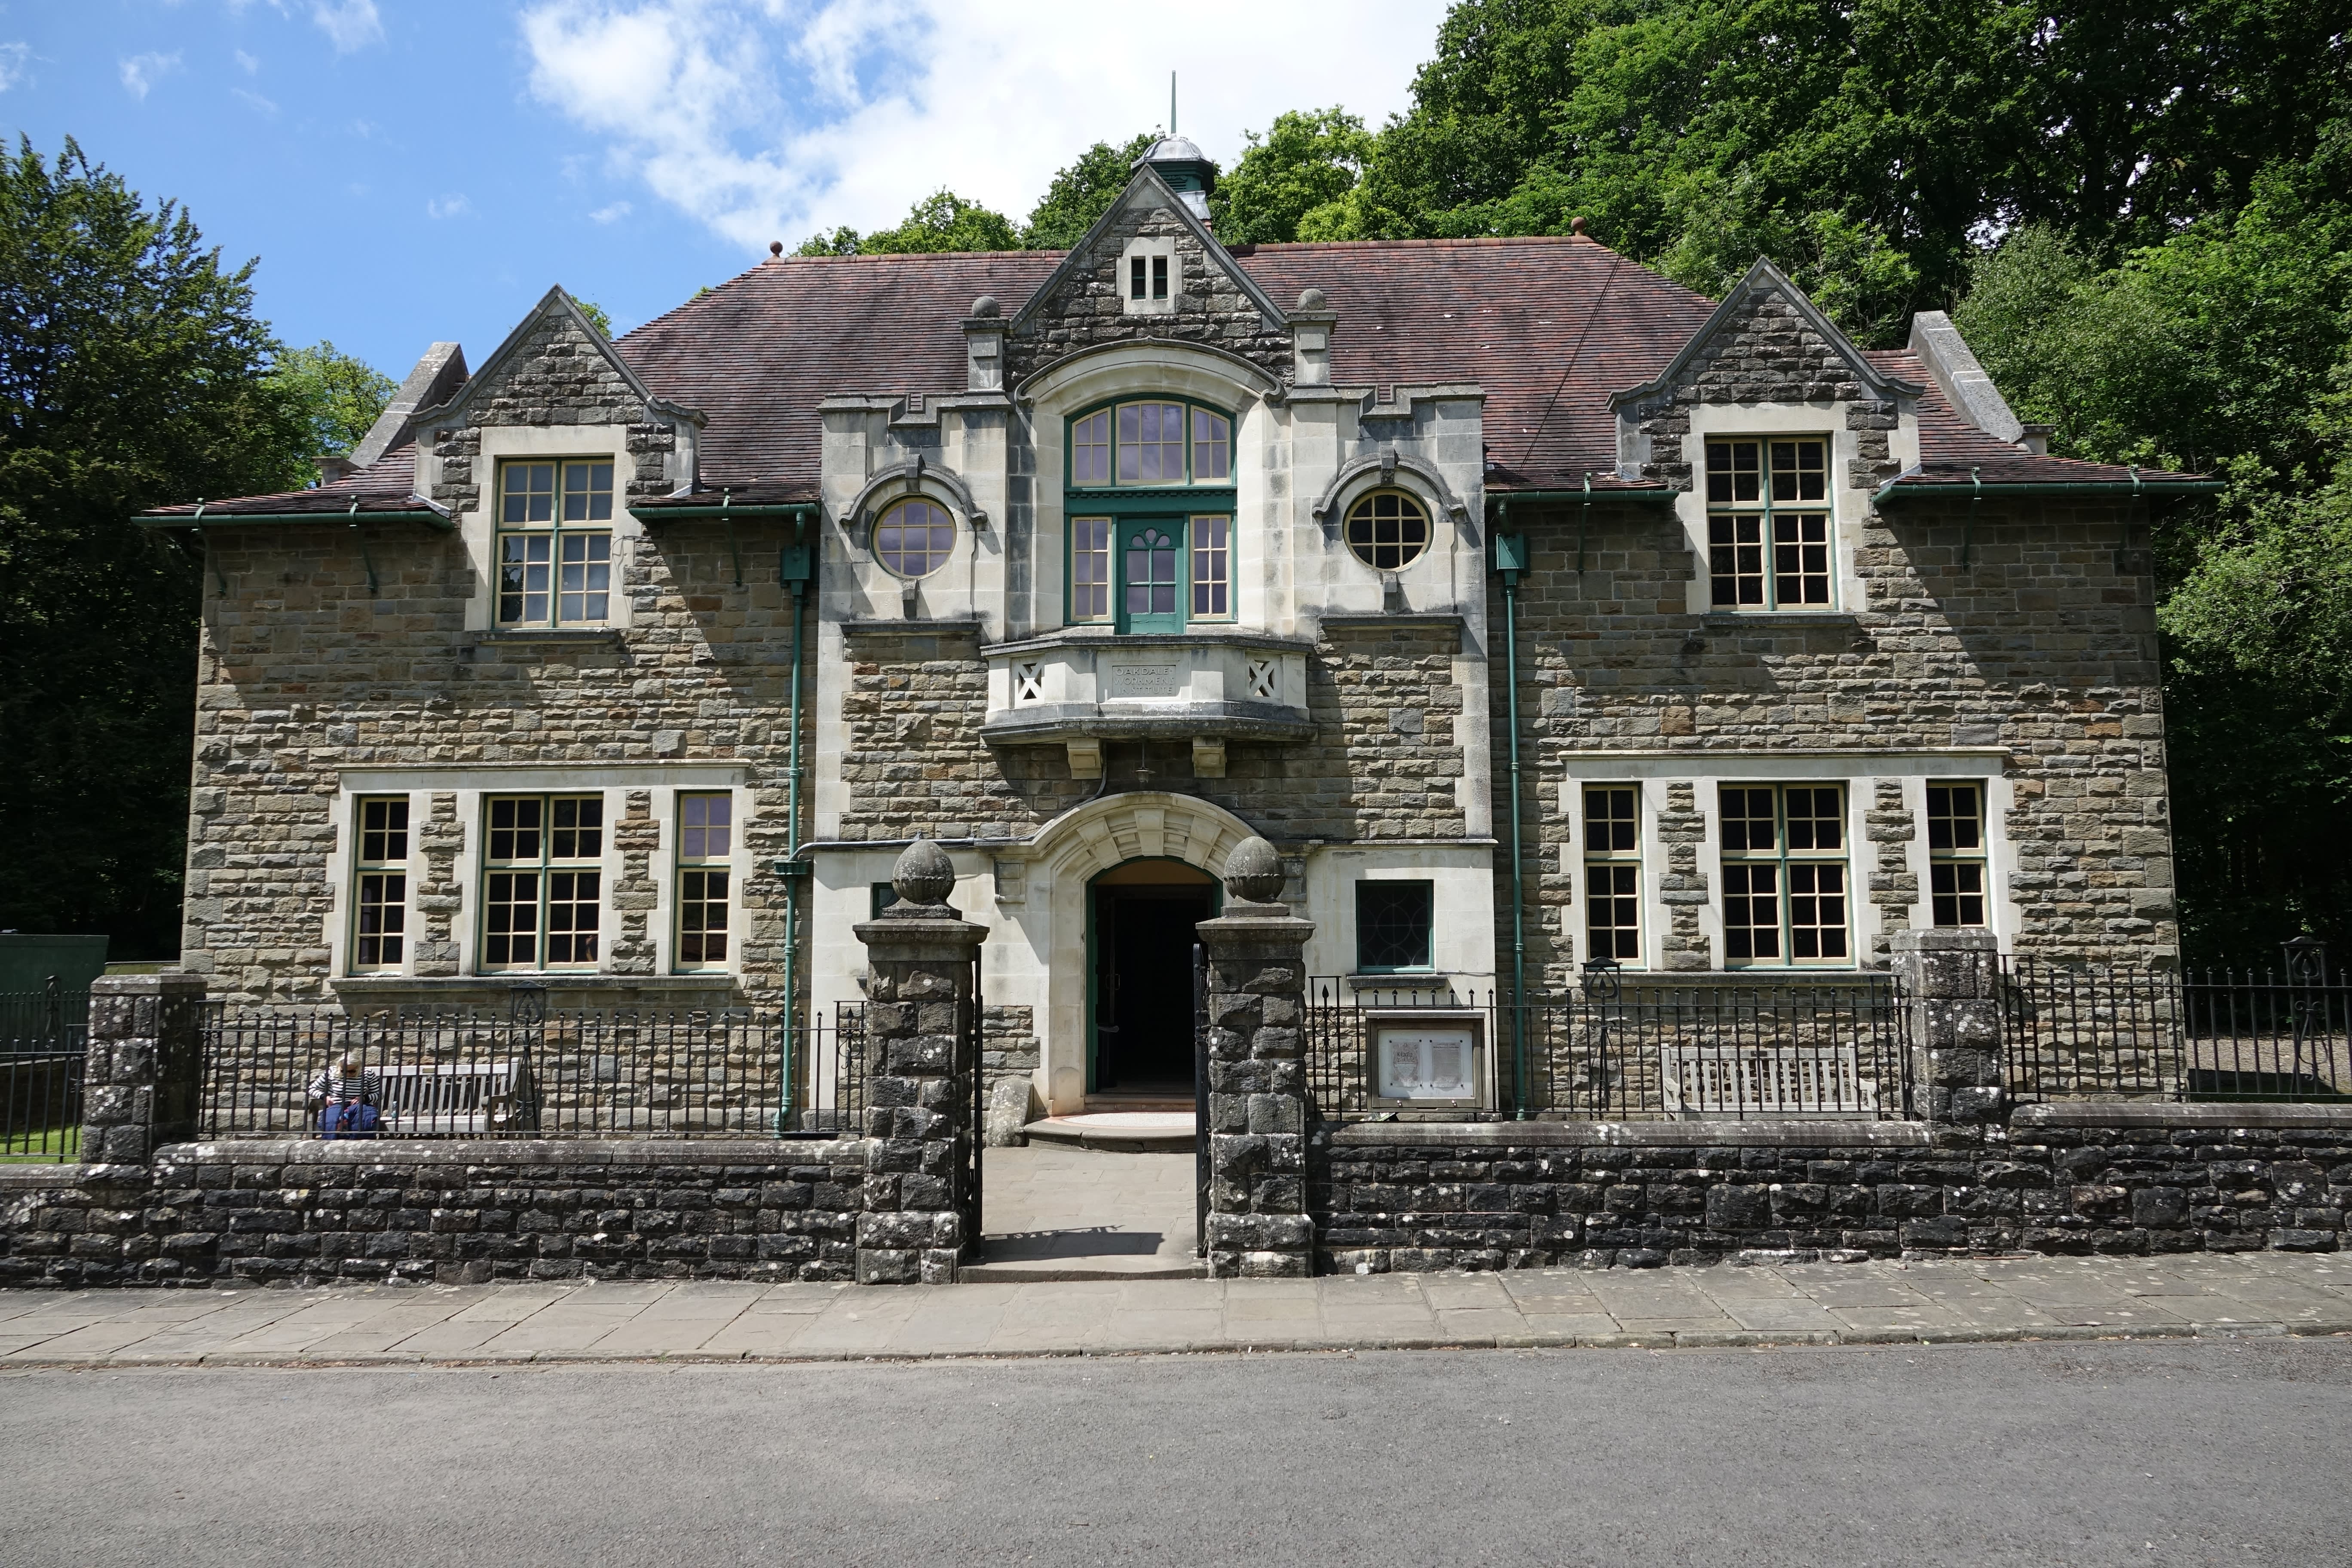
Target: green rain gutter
[
  {"x": 799, "y": 512},
  {"x": 432, "y": 519},
  {"x": 796, "y": 567},
  {"x": 1510, "y": 559},
  {"x": 1895, "y": 490}
]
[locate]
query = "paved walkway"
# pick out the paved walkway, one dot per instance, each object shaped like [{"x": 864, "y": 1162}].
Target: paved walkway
[
  {"x": 1866, "y": 1303},
  {"x": 1054, "y": 1212}
]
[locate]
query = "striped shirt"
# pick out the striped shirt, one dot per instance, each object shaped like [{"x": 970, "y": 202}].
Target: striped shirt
[{"x": 363, "y": 1087}]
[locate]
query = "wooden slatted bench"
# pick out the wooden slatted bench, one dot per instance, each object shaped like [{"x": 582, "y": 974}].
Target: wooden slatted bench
[
  {"x": 1771, "y": 1080},
  {"x": 457, "y": 1100}
]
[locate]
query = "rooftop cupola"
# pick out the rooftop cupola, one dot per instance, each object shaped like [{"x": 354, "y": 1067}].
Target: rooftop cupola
[{"x": 1187, "y": 171}]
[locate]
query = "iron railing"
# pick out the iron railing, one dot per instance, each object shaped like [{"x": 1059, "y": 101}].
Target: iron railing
[
  {"x": 44, "y": 1041},
  {"x": 2135, "y": 1032},
  {"x": 538, "y": 1074},
  {"x": 1622, "y": 1048}
]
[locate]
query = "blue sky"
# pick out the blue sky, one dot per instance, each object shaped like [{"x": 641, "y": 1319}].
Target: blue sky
[{"x": 415, "y": 170}]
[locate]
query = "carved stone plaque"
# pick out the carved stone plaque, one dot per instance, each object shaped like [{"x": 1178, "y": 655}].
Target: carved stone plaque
[{"x": 1144, "y": 678}]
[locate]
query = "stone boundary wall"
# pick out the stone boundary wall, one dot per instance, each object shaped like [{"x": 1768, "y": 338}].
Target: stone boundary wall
[
  {"x": 2131, "y": 1179},
  {"x": 306, "y": 1212}
]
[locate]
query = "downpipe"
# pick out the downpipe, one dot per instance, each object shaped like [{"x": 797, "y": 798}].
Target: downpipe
[{"x": 1510, "y": 559}]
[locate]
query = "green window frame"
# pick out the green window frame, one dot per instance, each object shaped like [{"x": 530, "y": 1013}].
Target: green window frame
[
  {"x": 1148, "y": 498},
  {"x": 554, "y": 546},
  {"x": 704, "y": 878},
  {"x": 1612, "y": 873},
  {"x": 1956, "y": 853},
  {"x": 1787, "y": 883},
  {"x": 1771, "y": 533},
  {"x": 379, "y": 928},
  {"x": 543, "y": 882},
  {"x": 1395, "y": 926}
]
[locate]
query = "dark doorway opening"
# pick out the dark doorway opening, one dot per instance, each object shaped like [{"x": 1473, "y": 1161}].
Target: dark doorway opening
[{"x": 1141, "y": 935}]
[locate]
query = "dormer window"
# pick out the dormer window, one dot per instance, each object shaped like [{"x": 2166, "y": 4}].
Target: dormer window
[
  {"x": 1146, "y": 278},
  {"x": 1150, "y": 276},
  {"x": 1769, "y": 524}
]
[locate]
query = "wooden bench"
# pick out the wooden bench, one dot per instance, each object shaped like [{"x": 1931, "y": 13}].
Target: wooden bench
[
  {"x": 1767, "y": 1080},
  {"x": 458, "y": 1100}
]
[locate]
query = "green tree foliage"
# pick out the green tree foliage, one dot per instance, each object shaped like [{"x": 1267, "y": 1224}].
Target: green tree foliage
[
  {"x": 940, "y": 221},
  {"x": 1292, "y": 184},
  {"x": 598, "y": 317},
  {"x": 132, "y": 373},
  {"x": 1864, "y": 145},
  {"x": 1080, "y": 194},
  {"x": 2226, "y": 349},
  {"x": 338, "y": 395}
]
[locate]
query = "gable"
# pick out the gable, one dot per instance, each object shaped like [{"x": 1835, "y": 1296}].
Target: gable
[
  {"x": 1766, "y": 342},
  {"x": 554, "y": 368},
  {"x": 1083, "y": 304}
]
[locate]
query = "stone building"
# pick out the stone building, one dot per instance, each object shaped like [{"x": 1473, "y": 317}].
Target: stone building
[{"x": 1089, "y": 566}]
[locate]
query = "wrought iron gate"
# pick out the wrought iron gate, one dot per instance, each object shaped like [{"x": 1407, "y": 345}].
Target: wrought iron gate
[{"x": 1200, "y": 1101}]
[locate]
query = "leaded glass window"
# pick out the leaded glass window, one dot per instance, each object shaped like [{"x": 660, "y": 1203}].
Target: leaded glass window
[
  {"x": 1393, "y": 923},
  {"x": 1090, "y": 449},
  {"x": 1151, "y": 571},
  {"x": 1152, "y": 444},
  {"x": 1090, "y": 569},
  {"x": 1768, "y": 528}
]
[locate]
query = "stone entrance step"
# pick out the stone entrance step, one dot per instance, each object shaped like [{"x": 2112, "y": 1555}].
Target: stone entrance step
[
  {"x": 1035, "y": 1270},
  {"x": 1120, "y": 1131}
]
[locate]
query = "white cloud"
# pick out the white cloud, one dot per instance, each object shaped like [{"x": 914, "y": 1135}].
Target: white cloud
[
  {"x": 254, "y": 101},
  {"x": 13, "y": 61},
  {"x": 613, "y": 214},
  {"x": 349, "y": 24},
  {"x": 246, "y": 62},
  {"x": 770, "y": 118},
  {"x": 452, "y": 205},
  {"x": 140, "y": 72}
]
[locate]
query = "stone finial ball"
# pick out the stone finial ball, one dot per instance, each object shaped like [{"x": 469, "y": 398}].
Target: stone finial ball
[
  {"x": 924, "y": 875},
  {"x": 1310, "y": 300},
  {"x": 985, "y": 305},
  {"x": 1253, "y": 871}
]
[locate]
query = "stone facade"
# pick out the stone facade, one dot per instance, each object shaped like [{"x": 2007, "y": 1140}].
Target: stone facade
[{"x": 1087, "y": 307}]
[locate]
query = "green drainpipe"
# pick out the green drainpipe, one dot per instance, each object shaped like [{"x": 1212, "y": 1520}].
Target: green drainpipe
[
  {"x": 796, "y": 566},
  {"x": 1510, "y": 559}
]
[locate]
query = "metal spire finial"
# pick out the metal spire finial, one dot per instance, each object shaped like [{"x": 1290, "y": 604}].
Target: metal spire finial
[{"x": 1172, "y": 103}]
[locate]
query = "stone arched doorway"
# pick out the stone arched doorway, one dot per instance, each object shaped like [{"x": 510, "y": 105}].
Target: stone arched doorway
[{"x": 1139, "y": 919}]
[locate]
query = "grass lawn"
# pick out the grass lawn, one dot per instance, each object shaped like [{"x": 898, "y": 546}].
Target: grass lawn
[{"x": 48, "y": 1145}]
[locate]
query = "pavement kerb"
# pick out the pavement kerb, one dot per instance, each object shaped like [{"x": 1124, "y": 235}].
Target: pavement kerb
[{"x": 1686, "y": 1339}]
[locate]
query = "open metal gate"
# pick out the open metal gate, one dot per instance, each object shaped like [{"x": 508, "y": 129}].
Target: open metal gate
[{"x": 1200, "y": 1101}]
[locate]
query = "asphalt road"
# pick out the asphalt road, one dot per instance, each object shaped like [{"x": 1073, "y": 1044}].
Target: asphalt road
[{"x": 2150, "y": 1453}]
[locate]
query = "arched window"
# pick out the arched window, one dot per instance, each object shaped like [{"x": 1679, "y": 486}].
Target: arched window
[
  {"x": 914, "y": 538},
  {"x": 1150, "y": 510},
  {"x": 1388, "y": 530}
]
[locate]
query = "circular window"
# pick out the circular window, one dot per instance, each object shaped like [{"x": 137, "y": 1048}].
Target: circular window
[
  {"x": 1388, "y": 530},
  {"x": 914, "y": 538}
]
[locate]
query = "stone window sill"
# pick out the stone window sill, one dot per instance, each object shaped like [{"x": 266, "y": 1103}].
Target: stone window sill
[
  {"x": 1755, "y": 620},
  {"x": 558, "y": 637}
]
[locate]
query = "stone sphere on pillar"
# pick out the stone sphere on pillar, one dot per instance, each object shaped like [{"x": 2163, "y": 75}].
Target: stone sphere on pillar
[
  {"x": 924, "y": 876},
  {"x": 1253, "y": 871}
]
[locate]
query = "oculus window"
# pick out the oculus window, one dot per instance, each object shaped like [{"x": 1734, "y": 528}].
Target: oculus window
[
  {"x": 914, "y": 538},
  {"x": 555, "y": 543},
  {"x": 1388, "y": 530},
  {"x": 1768, "y": 524}
]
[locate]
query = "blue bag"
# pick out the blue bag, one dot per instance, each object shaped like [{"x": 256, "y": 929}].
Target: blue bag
[{"x": 350, "y": 1118}]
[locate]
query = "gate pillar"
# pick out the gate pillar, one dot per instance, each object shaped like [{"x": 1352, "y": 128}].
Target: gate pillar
[
  {"x": 143, "y": 1083},
  {"x": 1257, "y": 1131},
  {"x": 1951, "y": 998},
  {"x": 920, "y": 1213}
]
